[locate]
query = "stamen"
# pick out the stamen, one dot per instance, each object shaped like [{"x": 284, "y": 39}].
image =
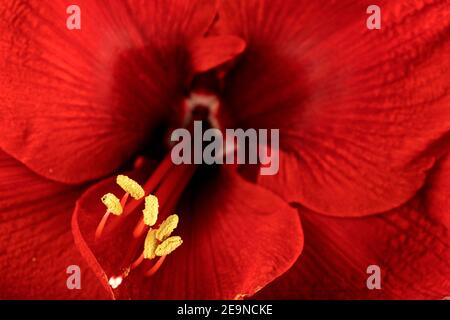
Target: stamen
[
  {"x": 166, "y": 228},
  {"x": 151, "y": 210},
  {"x": 130, "y": 186},
  {"x": 112, "y": 203},
  {"x": 167, "y": 184},
  {"x": 101, "y": 225},
  {"x": 168, "y": 246},
  {"x": 150, "y": 245}
]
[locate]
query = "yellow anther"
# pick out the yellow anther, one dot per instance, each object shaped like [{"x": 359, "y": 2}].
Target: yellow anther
[
  {"x": 151, "y": 210},
  {"x": 166, "y": 228},
  {"x": 150, "y": 244},
  {"x": 168, "y": 246},
  {"x": 112, "y": 203},
  {"x": 130, "y": 186}
]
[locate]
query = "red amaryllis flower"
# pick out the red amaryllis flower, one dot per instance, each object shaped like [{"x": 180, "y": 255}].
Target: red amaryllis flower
[
  {"x": 84, "y": 105},
  {"x": 363, "y": 117}
]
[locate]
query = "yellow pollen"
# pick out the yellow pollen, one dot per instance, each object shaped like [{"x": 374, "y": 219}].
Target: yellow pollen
[
  {"x": 151, "y": 210},
  {"x": 166, "y": 228},
  {"x": 130, "y": 186},
  {"x": 168, "y": 246},
  {"x": 112, "y": 203},
  {"x": 150, "y": 244}
]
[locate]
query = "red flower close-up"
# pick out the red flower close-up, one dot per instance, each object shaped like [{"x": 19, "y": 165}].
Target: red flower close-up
[{"x": 93, "y": 92}]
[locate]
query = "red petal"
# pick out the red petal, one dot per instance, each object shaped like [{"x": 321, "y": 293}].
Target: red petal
[
  {"x": 438, "y": 195},
  {"x": 410, "y": 247},
  {"x": 237, "y": 238},
  {"x": 212, "y": 51},
  {"x": 36, "y": 245},
  {"x": 360, "y": 112},
  {"x": 77, "y": 104}
]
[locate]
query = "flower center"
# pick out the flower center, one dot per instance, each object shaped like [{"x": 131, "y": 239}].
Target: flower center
[{"x": 151, "y": 237}]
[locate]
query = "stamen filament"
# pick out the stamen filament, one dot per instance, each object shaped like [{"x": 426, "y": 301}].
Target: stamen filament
[
  {"x": 171, "y": 182},
  {"x": 124, "y": 199},
  {"x": 137, "y": 262},
  {"x": 170, "y": 189},
  {"x": 155, "y": 267},
  {"x": 139, "y": 229},
  {"x": 159, "y": 173},
  {"x": 173, "y": 198},
  {"x": 152, "y": 183},
  {"x": 101, "y": 225}
]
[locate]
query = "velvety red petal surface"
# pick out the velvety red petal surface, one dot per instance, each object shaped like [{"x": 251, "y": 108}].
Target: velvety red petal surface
[
  {"x": 78, "y": 103},
  {"x": 361, "y": 112},
  {"x": 410, "y": 244},
  {"x": 36, "y": 245},
  {"x": 212, "y": 51},
  {"x": 237, "y": 238}
]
